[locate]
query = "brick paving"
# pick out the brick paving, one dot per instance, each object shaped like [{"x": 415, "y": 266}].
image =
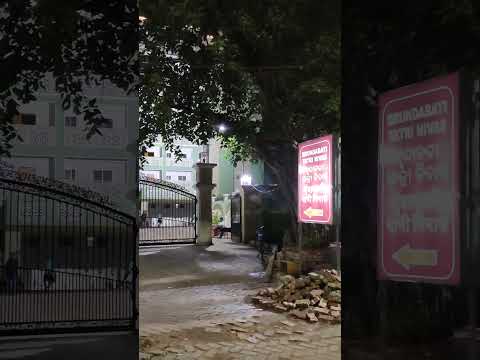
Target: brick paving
[
  {"x": 244, "y": 339},
  {"x": 194, "y": 305}
]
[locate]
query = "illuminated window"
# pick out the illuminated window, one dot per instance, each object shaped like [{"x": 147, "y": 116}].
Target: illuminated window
[
  {"x": 26, "y": 170},
  {"x": 25, "y": 119}
]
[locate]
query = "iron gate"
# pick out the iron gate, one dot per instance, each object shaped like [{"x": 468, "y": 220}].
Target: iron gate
[
  {"x": 68, "y": 260},
  {"x": 167, "y": 213}
]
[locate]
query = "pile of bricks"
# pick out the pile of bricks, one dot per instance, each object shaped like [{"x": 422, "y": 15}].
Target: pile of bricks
[{"x": 316, "y": 296}]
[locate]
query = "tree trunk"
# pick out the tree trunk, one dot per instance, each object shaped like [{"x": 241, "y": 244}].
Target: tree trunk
[{"x": 284, "y": 173}]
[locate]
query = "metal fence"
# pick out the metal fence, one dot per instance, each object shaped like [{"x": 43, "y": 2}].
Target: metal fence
[
  {"x": 67, "y": 261},
  {"x": 167, "y": 214}
]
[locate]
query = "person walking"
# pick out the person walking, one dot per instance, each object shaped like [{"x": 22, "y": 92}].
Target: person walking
[
  {"x": 11, "y": 271},
  {"x": 221, "y": 227}
]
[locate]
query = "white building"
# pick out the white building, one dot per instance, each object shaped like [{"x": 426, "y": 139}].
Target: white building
[
  {"x": 161, "y": 164},
  {"x": 55, "y": 144}
]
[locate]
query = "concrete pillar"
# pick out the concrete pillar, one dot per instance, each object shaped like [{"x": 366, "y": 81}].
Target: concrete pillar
[{"x": 204, "y": 203}]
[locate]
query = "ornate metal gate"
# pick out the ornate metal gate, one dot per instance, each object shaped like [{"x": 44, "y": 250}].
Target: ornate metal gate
[
  {"x": 68, "y": 260},
  {"x": 167, "y": 213}
]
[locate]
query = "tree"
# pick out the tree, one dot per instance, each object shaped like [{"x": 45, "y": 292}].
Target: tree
[
  {"x": 269, "y": 70},
  {"x": 81, "y": 43},
  {"x": 386, "y": 47}
]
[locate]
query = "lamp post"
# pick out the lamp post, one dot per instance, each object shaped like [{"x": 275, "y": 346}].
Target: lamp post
[{"x": 206, "y": 152}]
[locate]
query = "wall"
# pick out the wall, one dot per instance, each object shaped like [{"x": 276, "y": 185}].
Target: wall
[
  {"x": 225, "y": 171},
  {"x": 227, "y": 177}
]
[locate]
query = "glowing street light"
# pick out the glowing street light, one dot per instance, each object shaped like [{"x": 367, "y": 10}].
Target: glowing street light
[
  {"x": 246, "y": 180},
  {"x": 222, "y": 128}
]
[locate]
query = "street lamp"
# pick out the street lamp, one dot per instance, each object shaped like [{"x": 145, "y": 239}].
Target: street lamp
[
  {"x": 222, "y": 128},
  {"x": 206, "y": 153},
  {"x": 246, "y": 180}
]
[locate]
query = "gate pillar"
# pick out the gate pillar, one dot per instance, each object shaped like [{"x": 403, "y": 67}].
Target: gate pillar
[{"x": 204, "y": 206}]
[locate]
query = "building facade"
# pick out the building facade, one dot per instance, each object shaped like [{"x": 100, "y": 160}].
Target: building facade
[
  {"x": 161, "y": 164},
  {"x": 228, "y": 180},
  {"x": 55, "y": 144},
  {"x": 228, "y": 177}
]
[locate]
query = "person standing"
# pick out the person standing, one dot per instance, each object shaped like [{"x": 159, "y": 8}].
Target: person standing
[
  {"x": 11, "y": 271},
  {"x": 49, "y": 276},
  {"x": 144, "y": 219}
]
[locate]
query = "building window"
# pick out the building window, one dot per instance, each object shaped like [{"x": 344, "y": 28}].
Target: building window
[
  {"x": 106, "y": 124},
  {"x": 102, "y": 176},
  {"x": 169, "y": 155},
  {"x": 166, "y": 206},
  {"x": 27, "y": 170},
  {"x": 70, "y": 174},
  {"x": 182, "y": 178},
  {"x": 149, "y": 154},
  {"x": 25, "y": 119},
  {"x": 70, "y": 121},
  {"x": 168, "y": 177}
]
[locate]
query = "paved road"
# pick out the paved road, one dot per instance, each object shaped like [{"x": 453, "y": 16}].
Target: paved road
[
  {"x": 119, "y": 346},
  {"x": 191, "y": 295},
  {"x": 247, "y": 339},
  {"x": 184, "y": 284}
]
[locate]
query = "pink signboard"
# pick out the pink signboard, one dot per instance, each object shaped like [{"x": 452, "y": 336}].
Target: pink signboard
[
  {"x": 315, "y": 180},
  {"x": 418, "y": 187}
]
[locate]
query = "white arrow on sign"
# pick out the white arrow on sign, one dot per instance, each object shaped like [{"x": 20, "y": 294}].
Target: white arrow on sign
[
  {"x": 313, "y": 212},
  {"x": 407, "y": 257}
]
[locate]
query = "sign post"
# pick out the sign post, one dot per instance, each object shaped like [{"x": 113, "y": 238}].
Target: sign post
[
  {"x": 419, "y": 185},
  {"x": 315, "y": 183}
]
